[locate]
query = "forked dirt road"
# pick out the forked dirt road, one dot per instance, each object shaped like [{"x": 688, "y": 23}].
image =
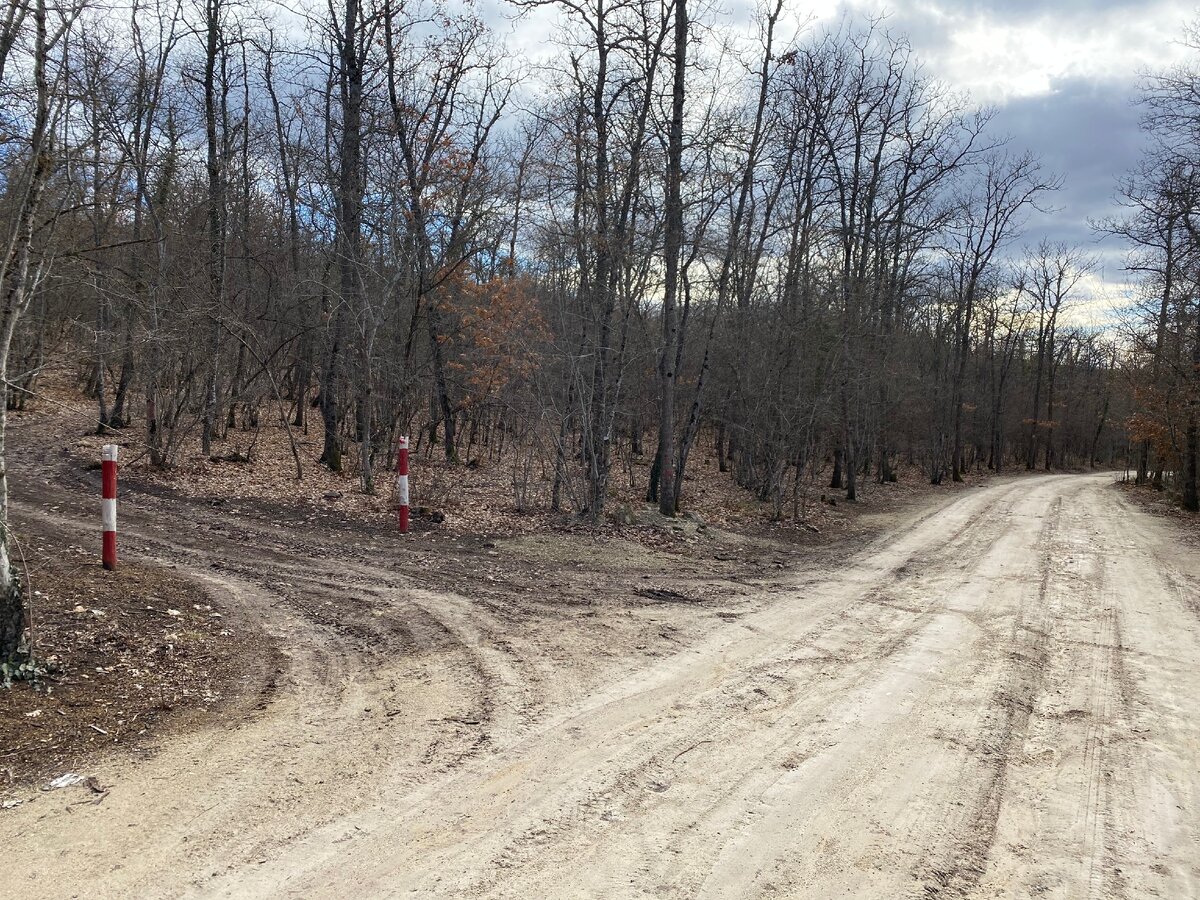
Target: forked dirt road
[{"x": 1000, "y": 698}]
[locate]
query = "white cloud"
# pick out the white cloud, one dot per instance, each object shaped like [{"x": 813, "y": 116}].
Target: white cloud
[
  {"x": 1098, "y": 302},
  {"x": 999, "y": 54},
  {"x": 997, "y": 61}
]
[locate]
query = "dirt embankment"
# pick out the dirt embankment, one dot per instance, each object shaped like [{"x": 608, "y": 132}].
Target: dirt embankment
[{"x": 125, "y": 660}]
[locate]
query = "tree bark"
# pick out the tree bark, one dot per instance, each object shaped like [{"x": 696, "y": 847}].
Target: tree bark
[
  {"x": 672, "y": 248},
  {"x": 1191, "y": 458},
  {"x": 349, "y": 218},
  {"x": 17, "y": 275},
  {"x": 214, "y": 110}
]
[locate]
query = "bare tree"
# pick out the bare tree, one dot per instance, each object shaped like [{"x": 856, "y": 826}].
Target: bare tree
[
  {"x": 989, "y": 216},
  {"x": 1052, "y": 273},
  {"x": 41, "y": 58},
  {"x": 672, "y": 247}
]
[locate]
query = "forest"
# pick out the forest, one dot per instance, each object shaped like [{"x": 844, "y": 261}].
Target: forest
[{"x": 375, "y": 218}]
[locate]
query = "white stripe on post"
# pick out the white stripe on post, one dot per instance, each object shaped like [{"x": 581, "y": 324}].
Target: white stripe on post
[
  {"x": 108, "y": 514},
  {"x": 108, "y": 505}
]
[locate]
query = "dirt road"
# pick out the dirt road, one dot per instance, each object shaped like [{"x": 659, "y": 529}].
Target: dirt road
[{"x": 1000, "y": 698}]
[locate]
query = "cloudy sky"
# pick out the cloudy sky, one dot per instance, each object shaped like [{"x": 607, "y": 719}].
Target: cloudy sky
[{"x": 1063, "y": 75}]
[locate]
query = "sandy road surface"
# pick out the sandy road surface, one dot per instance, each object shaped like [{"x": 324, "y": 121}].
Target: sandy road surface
[{"x": 999, "y": 699}]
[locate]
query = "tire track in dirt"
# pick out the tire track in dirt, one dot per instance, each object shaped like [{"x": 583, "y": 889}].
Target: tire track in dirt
[
  {"x": 956, "y": 864},
  {"x": 763, "y": 698},
  {"x": 1073, "y": 818},
  {"x": 333, "y": 675},
  {"x": 995, "y": 698},
  {"x": 925, "y": 817},
  {"x": 360, "y": 638},
  {"x": 627, "y": 764}
]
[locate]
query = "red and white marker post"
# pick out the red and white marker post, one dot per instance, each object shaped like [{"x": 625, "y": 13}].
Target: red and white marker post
[
  {"x": 402, "y": 484},
  {"x": 108, "y": 466}
]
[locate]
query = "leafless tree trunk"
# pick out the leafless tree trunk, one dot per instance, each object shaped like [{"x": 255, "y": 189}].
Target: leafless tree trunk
[
  {"x": 216, "y": 87},
  {"x": 21, "y": 267},
  {"x": 672, "y": 248}
]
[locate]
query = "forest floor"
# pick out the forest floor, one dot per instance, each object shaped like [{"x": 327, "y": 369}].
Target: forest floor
[
  {"x": 986, "y": 690},
  {"x": 467, "y": 499}
]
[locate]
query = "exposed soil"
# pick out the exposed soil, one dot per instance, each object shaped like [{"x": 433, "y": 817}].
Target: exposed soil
[
  {"x": 983, "y": 692},
  {"x": 130, "y": 658}
]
